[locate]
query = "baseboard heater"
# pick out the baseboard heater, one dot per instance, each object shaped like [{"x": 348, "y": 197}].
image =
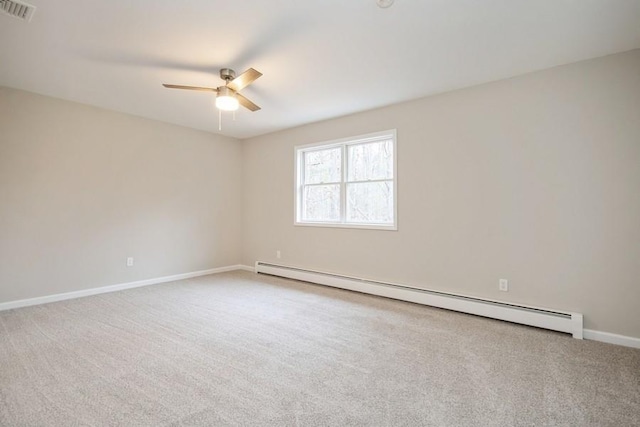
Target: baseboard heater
[{"x": 554, "y": 320}]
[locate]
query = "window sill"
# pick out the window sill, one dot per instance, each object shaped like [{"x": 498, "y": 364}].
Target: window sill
[{"x": 393, "y": 227}]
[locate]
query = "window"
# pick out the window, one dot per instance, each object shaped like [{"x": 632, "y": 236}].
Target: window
[{"x": 348, "y": 183}]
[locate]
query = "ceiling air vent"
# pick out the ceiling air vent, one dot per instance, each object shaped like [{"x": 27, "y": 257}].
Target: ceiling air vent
[{"x": 17, "y": 9}]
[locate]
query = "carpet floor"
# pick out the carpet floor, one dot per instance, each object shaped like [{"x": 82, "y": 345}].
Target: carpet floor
[{"x": 240, "y": 349}]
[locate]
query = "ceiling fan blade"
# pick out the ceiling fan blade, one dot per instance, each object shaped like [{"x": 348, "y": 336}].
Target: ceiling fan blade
[
  {"x": 246, "y": 103},
  {"x": 244, "y": 79},
  {"x": 206, "y": 89}
]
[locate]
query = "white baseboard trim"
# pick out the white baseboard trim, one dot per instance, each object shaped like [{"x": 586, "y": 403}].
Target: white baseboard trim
[
  {"x": 610, "y": 338},
  {"x": 119, "y": 287},
  {"x": 589, "y": 334}
]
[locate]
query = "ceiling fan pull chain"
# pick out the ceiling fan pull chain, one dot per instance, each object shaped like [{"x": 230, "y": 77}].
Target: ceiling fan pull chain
[{"x": 219, "y": 120}]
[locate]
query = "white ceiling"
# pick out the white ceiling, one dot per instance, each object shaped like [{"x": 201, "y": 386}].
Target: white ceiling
[{"x": 320, "y": 58}]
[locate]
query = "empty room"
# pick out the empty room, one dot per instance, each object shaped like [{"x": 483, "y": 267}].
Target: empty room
[{"x": 320, "y": 213}]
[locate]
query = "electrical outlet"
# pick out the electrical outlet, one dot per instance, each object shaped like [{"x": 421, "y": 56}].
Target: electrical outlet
[
  {"x": 130, "y": 262},
  {"x": 503, "y": 285},
  {"x": 278, "y": 254}
]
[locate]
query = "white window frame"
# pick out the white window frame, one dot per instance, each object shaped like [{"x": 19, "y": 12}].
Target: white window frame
[{"x": 344, "y": 143}]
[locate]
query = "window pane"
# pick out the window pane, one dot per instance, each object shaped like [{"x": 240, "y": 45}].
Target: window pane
[
  {"x": 321, "y": 203},
  {"x": 370, "y": 202},
  {"x": 323, "y": 166},
  {"x": 371, "y": 161}
]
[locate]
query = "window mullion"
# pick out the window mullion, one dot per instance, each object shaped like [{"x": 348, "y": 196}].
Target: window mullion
[
  {"x": 302, "y": 164},
  {"x": 323, "y": 183},
  {"x": 371, "y": 181},
  {"x": 343, "y": 186}
]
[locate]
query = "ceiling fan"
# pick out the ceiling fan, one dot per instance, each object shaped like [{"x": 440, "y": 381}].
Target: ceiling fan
[{"x": 228, "y": 98}]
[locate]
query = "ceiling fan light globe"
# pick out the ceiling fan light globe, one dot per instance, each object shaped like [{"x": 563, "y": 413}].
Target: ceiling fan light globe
[{"x": 227, "y": 102}]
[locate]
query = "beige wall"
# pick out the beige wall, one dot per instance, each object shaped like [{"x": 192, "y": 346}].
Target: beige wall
[
  {"x": 535, "y": 179},
  {"x": 81, "y": 189}
]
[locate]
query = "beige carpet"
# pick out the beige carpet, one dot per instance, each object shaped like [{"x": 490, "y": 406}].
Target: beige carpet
[{"x": 241, "y": 349}]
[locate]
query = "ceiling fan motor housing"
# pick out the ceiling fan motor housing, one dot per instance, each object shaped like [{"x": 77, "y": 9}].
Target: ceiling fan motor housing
[{"x": 227, "y": 74}]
